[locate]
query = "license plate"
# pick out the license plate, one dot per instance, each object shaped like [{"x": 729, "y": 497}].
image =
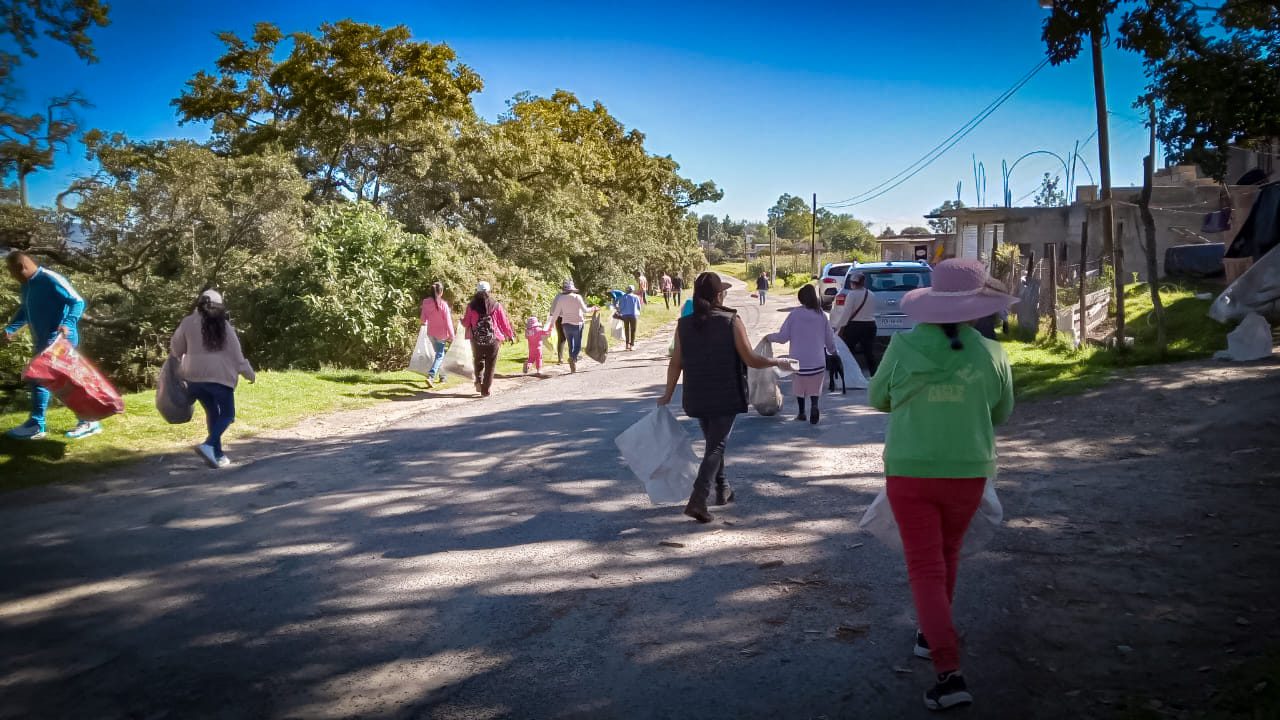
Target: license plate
[{"x": 893, "y": 321}]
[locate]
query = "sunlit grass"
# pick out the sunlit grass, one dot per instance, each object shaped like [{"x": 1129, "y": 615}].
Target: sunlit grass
[{"x": 1052, "y": 367}]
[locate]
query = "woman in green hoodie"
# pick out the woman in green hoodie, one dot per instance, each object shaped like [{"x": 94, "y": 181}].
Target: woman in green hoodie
[{"x": 946, "y": 388}]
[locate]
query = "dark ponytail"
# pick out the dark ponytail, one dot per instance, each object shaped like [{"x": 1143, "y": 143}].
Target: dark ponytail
[
  {"x": 952, "y": 331},
  {"x": 706, "y": 297},
  {"x": 213, "y": 324}
]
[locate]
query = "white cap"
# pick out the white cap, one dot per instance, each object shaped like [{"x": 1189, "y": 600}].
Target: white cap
[
  {"x": 482, "y": 286},
  {"x": 214, "y": 296}
]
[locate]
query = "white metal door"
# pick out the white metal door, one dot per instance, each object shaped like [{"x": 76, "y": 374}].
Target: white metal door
[{"x": 968, "y": 242}]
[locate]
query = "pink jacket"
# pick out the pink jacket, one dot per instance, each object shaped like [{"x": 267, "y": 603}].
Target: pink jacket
[
  {"x": 535, "y": 338},
  {"x": 501, "y": 326},
  {"x": 438, "y": 319}
]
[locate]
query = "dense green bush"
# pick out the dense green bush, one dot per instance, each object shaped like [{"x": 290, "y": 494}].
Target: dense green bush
[
  {"x": 350, "y": 298},
  {"x": 755, "y": 268}
]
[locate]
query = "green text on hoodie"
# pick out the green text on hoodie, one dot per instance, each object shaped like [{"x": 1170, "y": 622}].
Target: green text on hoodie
[{"x": 944, "y": 403}]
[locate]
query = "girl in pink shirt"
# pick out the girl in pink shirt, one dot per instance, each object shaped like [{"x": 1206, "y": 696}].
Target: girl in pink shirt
[
  {"x": 439, "y": 321},
  {"x": 534, "y": 333},
  {"x": 809, "y": 333}
]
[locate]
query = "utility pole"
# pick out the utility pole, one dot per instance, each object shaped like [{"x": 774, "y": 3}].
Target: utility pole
[
  {"x": 1149, "y": 228},
  {"x": 813, "y": 238},
  {"x": 1109, "y": 244},
  {"x": 773, "y": 257}
]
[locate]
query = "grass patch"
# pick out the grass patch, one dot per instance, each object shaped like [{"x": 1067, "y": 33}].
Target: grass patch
[
  {"x": 1051, "y": 367},
  {"x": 278, "y": 400},
  {"x": 732, "y": 269}
]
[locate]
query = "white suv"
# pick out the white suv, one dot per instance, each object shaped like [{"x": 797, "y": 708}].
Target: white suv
[
  {"x": 889, "y": 281},
  {"x": 830, "y": 281}
]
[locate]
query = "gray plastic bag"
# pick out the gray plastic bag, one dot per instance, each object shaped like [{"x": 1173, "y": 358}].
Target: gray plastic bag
[
  {"x": 172, "y": 397},
  {"x": 762, "y": 384},
  {"x": 597, "y": 344}
]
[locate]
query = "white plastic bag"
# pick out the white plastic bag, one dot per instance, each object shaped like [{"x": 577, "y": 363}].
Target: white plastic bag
[
  {"x": 762, "y": 384},
  {"x": 1251, "y": 340},
  {"x": 660, "y": 453},
  {"x": 853, "y": 377},
  {"x": 424, "y": 354},
  {"x": 879, "y": 521},
  {"x": 459, "y": 360},
  {"x": 618, "y": 331}
]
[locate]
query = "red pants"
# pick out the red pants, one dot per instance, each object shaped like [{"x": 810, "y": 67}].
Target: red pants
[{"x": 932, "y": 515}]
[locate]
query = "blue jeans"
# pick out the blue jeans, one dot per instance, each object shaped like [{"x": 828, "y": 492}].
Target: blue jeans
[
  {"x": 439, "y": 346},
  {"x": 39, "y": 395},
  {"x": 574, "y": 334},
  {"x": 219, "y": 403}
]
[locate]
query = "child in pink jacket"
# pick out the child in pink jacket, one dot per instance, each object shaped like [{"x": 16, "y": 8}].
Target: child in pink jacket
[{"x": 534, "y": 333}]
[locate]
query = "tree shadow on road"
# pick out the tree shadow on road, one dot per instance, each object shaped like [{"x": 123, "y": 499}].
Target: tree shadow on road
[{"x": 506, "y": 565}]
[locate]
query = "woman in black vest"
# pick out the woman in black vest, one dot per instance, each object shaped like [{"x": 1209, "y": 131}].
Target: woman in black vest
[{"x": 713, "y": 352}]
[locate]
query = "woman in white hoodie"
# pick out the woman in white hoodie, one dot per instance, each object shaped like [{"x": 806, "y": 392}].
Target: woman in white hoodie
[{"x": 571, "y": 310}]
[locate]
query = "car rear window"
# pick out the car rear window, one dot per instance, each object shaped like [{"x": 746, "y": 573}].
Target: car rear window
[
  {"x": 837, "y": 270},
  {"x": 898, "y": 280}
]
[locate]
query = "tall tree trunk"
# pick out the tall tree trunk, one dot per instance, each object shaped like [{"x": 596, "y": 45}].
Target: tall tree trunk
[{"x": 22, "y": 188}]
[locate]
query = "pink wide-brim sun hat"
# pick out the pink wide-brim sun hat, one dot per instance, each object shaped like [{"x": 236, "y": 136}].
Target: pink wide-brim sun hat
[{"x": 961, "y": 291}]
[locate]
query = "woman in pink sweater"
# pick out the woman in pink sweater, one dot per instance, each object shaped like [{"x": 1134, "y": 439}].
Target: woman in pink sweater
[
  {"x": 439, "y": 321},
  {"x": 811, "y": 338},
  {"x": 211, "y": 363},
  {"x": 487, "y": 328}
]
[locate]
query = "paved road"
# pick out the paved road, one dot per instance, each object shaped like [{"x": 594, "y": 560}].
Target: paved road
[{"x": 481, "y": 559}]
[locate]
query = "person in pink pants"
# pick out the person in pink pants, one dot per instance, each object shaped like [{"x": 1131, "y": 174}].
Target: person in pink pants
[
  {"x": 946, "y": 388},
  {"x": 534, "y": 333}
]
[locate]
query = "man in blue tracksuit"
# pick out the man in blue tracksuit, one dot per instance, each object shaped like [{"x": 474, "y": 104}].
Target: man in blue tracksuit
[{"x": 50, "y": 307}]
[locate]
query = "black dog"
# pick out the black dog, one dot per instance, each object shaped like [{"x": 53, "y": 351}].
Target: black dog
[{"x": 835, "y": 368}]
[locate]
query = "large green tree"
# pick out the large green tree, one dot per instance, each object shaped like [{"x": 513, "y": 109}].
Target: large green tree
[
  {"x": 791, "y": 217},
  {"x": 562, "y": 187},
  {"x": 1212, "y": 70},
  {"x": 354, "y": 102},
  {"x": 847, "y": 234},
  {"x": 161, "y": 221}
]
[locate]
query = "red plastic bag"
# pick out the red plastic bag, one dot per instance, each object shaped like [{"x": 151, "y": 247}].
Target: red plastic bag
[{"x": 80, "y": 386}]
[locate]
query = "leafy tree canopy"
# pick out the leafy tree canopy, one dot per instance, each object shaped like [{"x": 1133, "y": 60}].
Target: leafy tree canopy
[{"x": 1212, "y": 70}]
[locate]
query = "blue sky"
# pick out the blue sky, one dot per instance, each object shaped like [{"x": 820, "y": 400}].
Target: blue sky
[{"x": 763, "y": 98}]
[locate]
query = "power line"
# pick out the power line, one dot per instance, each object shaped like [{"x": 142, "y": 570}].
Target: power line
[{"x": 941, "y": 148}]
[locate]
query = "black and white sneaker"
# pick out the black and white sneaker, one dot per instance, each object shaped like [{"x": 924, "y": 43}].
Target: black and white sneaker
[
  {"x": 950, "y": 692},
  {"x": 922, "y": 647}
]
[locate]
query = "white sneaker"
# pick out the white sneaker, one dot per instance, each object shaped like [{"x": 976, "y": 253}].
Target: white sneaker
[
  {"x": 224, "y": 461},
  {"x": 206, "y": 453},
  {"x": 84, "y": 429}
]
